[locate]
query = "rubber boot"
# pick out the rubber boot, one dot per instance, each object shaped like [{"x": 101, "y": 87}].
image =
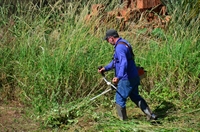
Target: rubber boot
[
  {"x": 150, "y": 116},
  {"x": 121, "y": 112},
  {"x": 145, "y": 108}
]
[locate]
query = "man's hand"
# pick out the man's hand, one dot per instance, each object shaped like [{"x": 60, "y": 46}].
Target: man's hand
[
  {"x": 115, "y": 80},
  {"x": 101, "y": 69}
]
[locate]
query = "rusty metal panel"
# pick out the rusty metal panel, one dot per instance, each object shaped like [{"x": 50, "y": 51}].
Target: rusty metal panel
[
  {"x": 148, "y": 3},
  {"x": 157, "y": 2},
  {"x": 143, "y": 4}
]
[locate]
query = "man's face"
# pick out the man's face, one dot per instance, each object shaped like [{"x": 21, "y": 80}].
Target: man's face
[{"x": 111, "y": 40}]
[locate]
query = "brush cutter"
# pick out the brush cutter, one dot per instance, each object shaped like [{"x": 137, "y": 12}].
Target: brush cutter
[{"x": 108, "y": 83}]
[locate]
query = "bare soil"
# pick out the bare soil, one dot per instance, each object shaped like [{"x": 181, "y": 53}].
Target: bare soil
[{"x": 13, "y": 118}]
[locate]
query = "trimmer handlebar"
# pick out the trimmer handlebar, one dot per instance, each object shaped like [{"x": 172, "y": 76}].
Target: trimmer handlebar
[{"x": 107, "y": 82}]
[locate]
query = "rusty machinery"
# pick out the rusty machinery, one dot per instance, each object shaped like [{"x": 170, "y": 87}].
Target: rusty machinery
[{"x": 131, "y": 11}]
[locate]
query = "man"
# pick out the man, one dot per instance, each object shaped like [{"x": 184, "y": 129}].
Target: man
[{"x": 126, "y": 75}]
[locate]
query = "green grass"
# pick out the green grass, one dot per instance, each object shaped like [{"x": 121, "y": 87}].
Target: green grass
[{"x": 49, "y": 59}]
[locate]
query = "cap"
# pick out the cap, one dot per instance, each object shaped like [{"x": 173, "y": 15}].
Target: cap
[{"x": 111, "y": 32}]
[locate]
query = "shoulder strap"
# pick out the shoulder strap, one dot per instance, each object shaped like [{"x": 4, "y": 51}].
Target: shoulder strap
[{"x": 128, "y": 46}]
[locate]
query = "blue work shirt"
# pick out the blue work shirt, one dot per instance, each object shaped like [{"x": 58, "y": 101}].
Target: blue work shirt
[{"x": 122, "y": 62}]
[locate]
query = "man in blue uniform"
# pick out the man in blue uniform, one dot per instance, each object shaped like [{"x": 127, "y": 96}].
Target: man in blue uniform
[{"x": 126, "y": 75}]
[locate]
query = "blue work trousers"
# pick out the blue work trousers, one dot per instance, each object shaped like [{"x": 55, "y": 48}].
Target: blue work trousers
[{"x": 127, "y": 88}]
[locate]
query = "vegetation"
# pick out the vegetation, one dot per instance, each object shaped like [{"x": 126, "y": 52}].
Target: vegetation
[{"x": 49, "y": 59}]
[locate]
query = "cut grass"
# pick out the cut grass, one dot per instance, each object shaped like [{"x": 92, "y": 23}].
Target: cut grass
[{"x": 49, "y": 60}]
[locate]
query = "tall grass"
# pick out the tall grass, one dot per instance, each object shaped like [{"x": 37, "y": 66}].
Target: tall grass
[
  {"x": 53, "y": 58},
  {"x": 50, "y": 55},
  {"x": 171, "y": 57}
]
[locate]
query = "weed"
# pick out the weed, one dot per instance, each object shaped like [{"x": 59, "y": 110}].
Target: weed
[{"x": 49, "y": 59}]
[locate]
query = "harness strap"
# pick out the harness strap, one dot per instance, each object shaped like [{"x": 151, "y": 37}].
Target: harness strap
[{"x": 129, "y": 47}]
